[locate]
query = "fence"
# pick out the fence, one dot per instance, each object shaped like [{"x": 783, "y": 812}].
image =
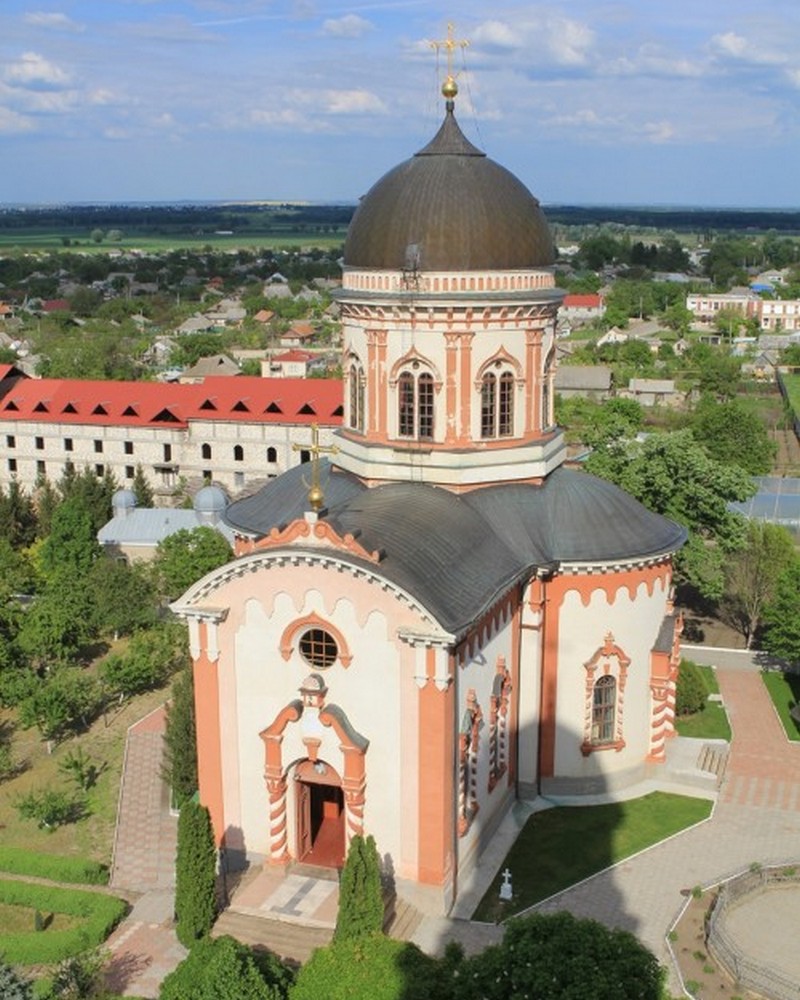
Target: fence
[{"x": 748, "y": 972}]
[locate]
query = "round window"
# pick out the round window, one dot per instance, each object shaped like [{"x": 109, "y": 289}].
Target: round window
[{"x": 318, "y": 648}]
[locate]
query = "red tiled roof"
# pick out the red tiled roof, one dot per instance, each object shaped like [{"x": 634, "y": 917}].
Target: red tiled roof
[
  {"x": 593, "y": 301},
  {"x": 236, "y": 398},
  {"x": 293, "y": 355},
  {"x": 55, "y": 305}
]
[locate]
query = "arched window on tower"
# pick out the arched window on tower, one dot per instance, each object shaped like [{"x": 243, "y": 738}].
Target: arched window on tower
[
  {"x": 205, "y": 451},
  {"x": 497, "y": 405},
  {"x": 415, "y": 409},
  {"x": 356, "y": 375}
]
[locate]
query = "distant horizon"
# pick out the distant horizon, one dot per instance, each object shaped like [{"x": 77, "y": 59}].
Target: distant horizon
[
  {"x": 145, "y": 202},
  {"x": 587, "y": 103}
]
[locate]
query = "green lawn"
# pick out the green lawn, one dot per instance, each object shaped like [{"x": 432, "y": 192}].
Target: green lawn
[
  {"x": 710, "y": 724},
  {"x": 784, "y": 689},
  {"x": 559, "y": 847}
]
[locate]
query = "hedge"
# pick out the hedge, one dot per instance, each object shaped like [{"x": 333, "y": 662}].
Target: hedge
[
  {"x": 102, "y": 913},
  {"x": 58, "y": 868}
]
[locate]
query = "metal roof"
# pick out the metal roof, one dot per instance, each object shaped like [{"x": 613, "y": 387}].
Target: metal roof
[
  {"x": 452, "y": 209},
  {"x": 459, "y": 553}
]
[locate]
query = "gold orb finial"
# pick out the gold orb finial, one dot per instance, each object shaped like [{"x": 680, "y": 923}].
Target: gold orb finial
[{"x": 449, "y": 88}]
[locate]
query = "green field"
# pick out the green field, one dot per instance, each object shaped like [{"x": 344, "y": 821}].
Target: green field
[{"x": 13, "y": 241}]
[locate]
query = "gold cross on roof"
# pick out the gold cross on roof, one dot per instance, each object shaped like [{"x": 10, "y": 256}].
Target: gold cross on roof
[
  {"x": 315, "y": 494},
  {"x": 450, "y": 44}
]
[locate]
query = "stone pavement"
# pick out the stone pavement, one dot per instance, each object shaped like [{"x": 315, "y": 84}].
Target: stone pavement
[{"x": 144, "y": 947}]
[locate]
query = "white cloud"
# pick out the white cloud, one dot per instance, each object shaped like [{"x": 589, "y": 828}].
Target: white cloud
[
  {"x": 33, "y": 70},
  {"x": 349, "y": 26},
  {"x": 352, "y": 102},
  {"x": 495, "y": 34},
  {"x": 659, "y": 132},
  {"x": 52, "y": 20},
  {"x": 550, "y": 37},
  {"x": 10, "y": 121}
]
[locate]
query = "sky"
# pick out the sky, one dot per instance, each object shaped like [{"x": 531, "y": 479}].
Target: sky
[{"x": 674, "y": 102}]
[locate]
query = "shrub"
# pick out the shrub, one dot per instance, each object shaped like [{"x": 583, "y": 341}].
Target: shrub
[
  {"x": 50, "y": 807},
  {"x": 77, "y": 766},
  {"x": 101, "y": 914},
  {"x": 195, "y": 874},
  {"x": 12, "y": 986},
  {"x": 19, "y": 861},
  {"x": 692, "y": 694},
  {"x": 224, "y": 969},
  {"x": 360, "y": 892},
  {"x": 558, "y": 955},
  {"x": 371, "y": 968}
]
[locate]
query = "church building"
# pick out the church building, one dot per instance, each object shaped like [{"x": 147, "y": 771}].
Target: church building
[{"x": 435, "y": 616}]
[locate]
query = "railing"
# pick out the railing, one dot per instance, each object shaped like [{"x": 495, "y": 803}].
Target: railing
[{"x": 746, "y": 971}]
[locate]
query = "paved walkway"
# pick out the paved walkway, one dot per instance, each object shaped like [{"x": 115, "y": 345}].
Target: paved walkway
[{"x": 144, "y": 947}]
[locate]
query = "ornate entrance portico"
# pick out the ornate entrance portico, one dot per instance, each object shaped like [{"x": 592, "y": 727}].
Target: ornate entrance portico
[{"x": 324, "y": 801}]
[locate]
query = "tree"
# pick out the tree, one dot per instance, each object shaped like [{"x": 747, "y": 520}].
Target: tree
[
  {"x": 142, "y": 488},
  {"x": 123, "y": 597},
  {"x": 558, "y": 955},
  {"x": 94, "y": 493},
  {"x": 360, "y": 893},
  {"x": 733, "y": 435},
  {"x": 717, "y": 373},
  {"x": 149, "y": 660},
  {"x": 752, "y": 575},
  {"x": 59, "y": 623},
  {"x": 195, "y": 875},
  {"x": 71, "y": 547},
  {"x": 782, "y": 616},
  {"x": 673, "y": 475},
  {"x": 185, "y": 557},
  {"x": 180, "y": 739},
  {"x": 67, "y": 699},
  {"x": 224, "y": 969},
  {"x": 17, "y": 516}
]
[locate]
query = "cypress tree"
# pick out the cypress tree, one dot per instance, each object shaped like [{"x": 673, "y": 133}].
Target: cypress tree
[
  {"x": 360, "y": 892},
  {"x": 195, "y": 875}
]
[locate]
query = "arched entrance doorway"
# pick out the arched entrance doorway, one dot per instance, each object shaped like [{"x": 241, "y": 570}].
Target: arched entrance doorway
[{"x": 320, "y": 837}]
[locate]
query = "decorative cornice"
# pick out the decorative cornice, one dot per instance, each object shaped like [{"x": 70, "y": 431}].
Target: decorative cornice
[{"x": 320, "y": 533}]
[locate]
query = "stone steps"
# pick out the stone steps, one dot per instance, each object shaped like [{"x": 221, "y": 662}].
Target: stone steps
[
  {"x": 713, "y": 759},
  {"x": 402, "y": 921},
  {"x": 291, "y": 942}
]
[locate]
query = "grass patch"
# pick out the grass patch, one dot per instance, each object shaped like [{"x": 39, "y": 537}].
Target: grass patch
[
  {"x": 95, "y": 915},
  {"x": 19, "y": 861},
  {"x": 784, "y": 690},
  {"x": 22, "y": 920},
  {"x": 712, "y": 723},
  {"x": 559, "y": 847}
]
